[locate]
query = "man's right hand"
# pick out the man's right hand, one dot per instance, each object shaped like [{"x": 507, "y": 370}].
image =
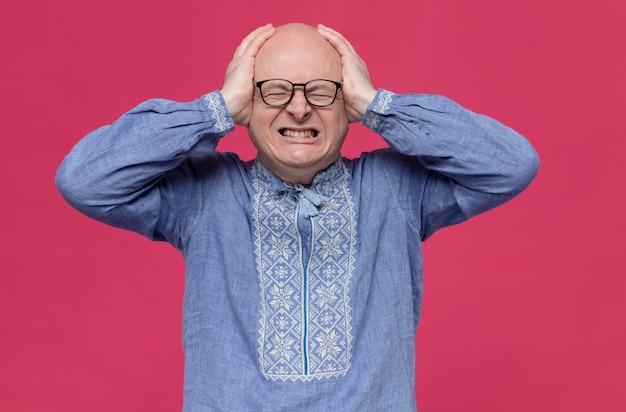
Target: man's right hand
[{"x": 238, "y": 89}]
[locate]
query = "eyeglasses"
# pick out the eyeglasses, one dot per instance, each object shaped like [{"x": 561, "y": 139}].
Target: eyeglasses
[{"x": 279, "y": 92}]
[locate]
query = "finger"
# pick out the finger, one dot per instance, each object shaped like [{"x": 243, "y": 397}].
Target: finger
[
  {"x": 243, "y": 46},
  {"x": 335, "y": 38},
  {"x": 253, "y": 41}
]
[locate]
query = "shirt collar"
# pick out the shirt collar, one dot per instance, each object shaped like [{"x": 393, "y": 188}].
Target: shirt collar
[{"x": 312, "y": 198}]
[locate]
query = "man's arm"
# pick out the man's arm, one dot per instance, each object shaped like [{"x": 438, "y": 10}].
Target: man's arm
[
  {"x": 114, "y": 173},
  {"x": 475, "y": 163}
]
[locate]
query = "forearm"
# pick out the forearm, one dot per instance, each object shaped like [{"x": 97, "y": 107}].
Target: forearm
[
  {"x": 487, "y": 161},
  {"x": 119, "y": 163}
]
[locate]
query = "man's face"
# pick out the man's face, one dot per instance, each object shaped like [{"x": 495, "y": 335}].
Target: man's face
[{"x": 298, "y": 140}]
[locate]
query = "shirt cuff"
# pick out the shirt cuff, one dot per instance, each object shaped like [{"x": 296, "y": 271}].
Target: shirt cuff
[
  {"x": 378, "y": 109},
  {"x": 218, "y": 111}
]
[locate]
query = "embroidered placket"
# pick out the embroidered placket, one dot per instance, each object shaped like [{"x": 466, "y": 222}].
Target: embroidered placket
[{"x": 305, "y": 319}]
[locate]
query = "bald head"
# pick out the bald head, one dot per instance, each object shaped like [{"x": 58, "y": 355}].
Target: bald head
[{"x": 297, "y": 50}]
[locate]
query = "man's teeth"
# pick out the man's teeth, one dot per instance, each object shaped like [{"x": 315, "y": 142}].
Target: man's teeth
[{"x": 299, "y": 133}]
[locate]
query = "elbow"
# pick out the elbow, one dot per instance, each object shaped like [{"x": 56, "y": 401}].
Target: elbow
[
  {"x": 515, "y": 173},
  {"x": 74, "y": 188},
  {"x": 528, "y": 164},
  {"x": 68, "y": 186}
]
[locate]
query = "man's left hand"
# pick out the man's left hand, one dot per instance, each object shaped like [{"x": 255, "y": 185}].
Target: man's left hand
[{"x": 358, "y": 90}]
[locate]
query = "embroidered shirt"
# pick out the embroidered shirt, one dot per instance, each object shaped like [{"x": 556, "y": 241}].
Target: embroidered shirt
[{"x": 297, "y": 299}]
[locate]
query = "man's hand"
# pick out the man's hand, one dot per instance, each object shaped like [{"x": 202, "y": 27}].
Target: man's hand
[
  {"x": 357, "y": 89},
  {"x": 238, "y": 89}
]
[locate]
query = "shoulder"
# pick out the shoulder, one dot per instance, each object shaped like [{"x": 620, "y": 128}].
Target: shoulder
[
  {"x": 387, "y": 160},
  {"x": 207, "y": 172}
]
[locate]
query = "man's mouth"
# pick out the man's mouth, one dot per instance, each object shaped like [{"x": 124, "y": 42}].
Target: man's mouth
[{"x": 310, "y": 133}]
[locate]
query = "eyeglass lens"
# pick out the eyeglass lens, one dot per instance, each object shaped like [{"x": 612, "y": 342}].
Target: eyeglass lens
[{"x": 278, "y": 92}]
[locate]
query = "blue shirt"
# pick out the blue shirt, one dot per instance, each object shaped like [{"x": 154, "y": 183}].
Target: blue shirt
[{"x": 297, "y": 299}]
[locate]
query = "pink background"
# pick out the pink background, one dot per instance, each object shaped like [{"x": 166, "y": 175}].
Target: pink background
[{"x": 524, "y": 306}]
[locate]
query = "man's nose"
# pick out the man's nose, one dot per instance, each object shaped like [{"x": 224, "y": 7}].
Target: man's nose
[{"x": 299, "y": 107}]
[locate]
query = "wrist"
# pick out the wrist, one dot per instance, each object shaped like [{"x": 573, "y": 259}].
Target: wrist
[
  {"x": 218, "y": 112},
  {"x": 365, "y": 99},
  {"x": 378, "y": 108},
  {"x": 358, "y": 106}
]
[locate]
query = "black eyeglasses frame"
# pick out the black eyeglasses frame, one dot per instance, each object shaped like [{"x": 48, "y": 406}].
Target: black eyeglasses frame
[{"x": 293, "y": 91}]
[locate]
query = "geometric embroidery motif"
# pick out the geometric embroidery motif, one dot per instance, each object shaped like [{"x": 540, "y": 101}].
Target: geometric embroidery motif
[
  {"x": 305, "y": 327},
  {"x": 379, "y": 107},
  {"x": 222, "y": 119}
]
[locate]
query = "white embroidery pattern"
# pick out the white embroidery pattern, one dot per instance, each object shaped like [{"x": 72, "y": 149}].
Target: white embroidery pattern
[
  {"x": 380, "y": 107},
  {"x": 305, "y": 320},
  {"x": 223, "y": 122}
]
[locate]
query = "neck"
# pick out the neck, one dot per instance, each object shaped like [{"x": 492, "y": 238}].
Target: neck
[
  {"x": 299, "y": 175},
  {"x": 304, "y": 178}
]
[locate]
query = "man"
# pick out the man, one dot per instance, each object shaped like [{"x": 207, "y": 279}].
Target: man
[{"x": 304, "y": 269}]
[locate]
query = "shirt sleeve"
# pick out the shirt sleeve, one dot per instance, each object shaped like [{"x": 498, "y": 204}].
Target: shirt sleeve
[
  {"x": 116, "y": 173},
  {"x": 472, "y": 162}
]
